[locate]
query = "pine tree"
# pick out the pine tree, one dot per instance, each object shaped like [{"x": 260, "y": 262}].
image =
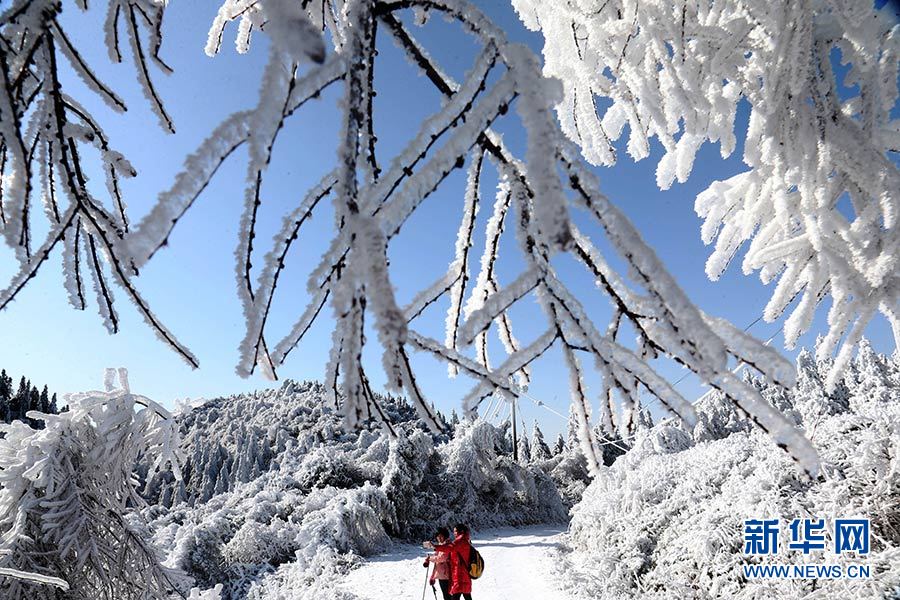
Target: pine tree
[
  {"x": 19, "y": 403},
  {"x": 54, "y": 407},
  {"x": 6, "y": 393},
  {"x": 44, "y": 405},
  {"x": 223, "y": 480},
  {"x": 504, "y": 438},
  {"x": 243, "y": 470},
  {"x": 572, "y": 429},
  {"x": 643, "y": 420},
  {"x": 560, "y": 446},
  {"x": 523, "y": 449},
  {"x": 34, "y": 403},
  {"x": 539, "y": 449}
]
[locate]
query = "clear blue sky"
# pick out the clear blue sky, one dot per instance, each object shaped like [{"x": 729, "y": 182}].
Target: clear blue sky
[{"x": 190, "y": 284}]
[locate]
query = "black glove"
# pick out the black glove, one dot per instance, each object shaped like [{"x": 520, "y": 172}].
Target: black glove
[{"x": 425, "y": 564}]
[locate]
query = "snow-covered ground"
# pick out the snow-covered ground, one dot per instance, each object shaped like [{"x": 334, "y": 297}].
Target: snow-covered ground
[{"x": 518, "y": 564}]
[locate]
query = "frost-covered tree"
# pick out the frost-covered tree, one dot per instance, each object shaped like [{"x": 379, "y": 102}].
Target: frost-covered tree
[
  {"x": 65, "y": 491},
  {"x": 19, "y": 402},
  {"x": 51, "y": 145},
  {"x": 818, "y": 204},
  {"x": 538, "y": 450},
  {"x": 560, "y": 445},
  {"x": 316, "y": 45},
  {"x": 523, "y": 449},
  {"x": 6, "y": 391}
]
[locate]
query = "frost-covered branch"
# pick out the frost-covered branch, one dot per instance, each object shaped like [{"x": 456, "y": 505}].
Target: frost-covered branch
[
  {"x": 46, "y": 138},
  {"x": 372, "y": 199},
  {"x": 817, "y": 208}
]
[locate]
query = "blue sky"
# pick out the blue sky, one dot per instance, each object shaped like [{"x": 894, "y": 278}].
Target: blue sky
[{"x": 190, "y": 284}]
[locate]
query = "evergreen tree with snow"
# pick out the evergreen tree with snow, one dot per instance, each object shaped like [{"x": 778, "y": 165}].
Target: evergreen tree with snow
[
  {"x": 560, "y": 445},
  {"x": 6, "y": 393},
  {"x": 34, "y": 404},
  {"x": 44, "y": 401},
  {"x": 523, "y": 449},
  {"x": 19, "y": 403},
  {"x": 538, "y": 450},
  {"x": 572, "y": 429}
]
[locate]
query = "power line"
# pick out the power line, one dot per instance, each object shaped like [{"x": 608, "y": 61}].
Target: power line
[
  {"x": 737, "y": 367},
  {"x": 543, "y": 405}
]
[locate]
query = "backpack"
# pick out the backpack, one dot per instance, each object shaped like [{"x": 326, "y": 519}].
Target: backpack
[{"x": 476, "y": 563}]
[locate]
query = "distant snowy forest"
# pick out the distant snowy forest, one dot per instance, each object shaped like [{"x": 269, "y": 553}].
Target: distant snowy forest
[
  {"x": 277, "y": 494},
  {"x": 15, "y": 402}
]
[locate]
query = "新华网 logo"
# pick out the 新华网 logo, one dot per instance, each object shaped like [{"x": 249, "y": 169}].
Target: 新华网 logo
[{"x": 762, "y": 537}]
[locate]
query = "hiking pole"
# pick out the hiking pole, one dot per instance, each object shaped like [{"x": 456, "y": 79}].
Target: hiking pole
[{"x": 425, "y": 587}]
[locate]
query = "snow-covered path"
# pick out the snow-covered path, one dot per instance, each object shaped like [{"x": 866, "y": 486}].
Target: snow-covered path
[{"x": 518, "y": 565}]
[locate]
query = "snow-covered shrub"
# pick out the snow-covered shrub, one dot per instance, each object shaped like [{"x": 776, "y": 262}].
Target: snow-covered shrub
[
  {"x": 259, "y": 542},
  {"x": 571, "y": 476},
  {"x": 322, "y": 467},
  {"x": 485, "y": 488},
  {"x": 65, "y": 492},
  {"x": 408, "y": 461},
  {"x": 665, "y": 520}
]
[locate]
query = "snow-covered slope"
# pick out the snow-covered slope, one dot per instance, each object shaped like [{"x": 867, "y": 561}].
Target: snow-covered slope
[
  {"x": 519, "y": 564},
  {"x": 278, "y": 497},
  {"x": 666, "y": 520}
]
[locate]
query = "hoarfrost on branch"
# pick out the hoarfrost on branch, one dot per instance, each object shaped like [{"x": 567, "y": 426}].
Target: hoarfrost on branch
[
  {"x": 818, "y": 205},
  {"x": 372, "y": 200}
]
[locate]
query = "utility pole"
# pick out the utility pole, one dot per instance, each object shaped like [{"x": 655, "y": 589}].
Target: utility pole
[{"x": 515, "y": 437}]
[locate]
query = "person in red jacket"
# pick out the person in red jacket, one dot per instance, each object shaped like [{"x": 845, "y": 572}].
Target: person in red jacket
[
  {"x": 441, "y": 561},
  {"x": 458, "y": 549}
]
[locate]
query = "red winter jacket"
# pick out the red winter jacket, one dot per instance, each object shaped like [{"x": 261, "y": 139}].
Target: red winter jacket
[{"x": 460, "y": 582}]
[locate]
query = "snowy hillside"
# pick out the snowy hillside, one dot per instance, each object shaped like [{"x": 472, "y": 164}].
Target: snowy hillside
[
  {"x": 666, "y": 520},
  {"x": 276, "y": 496}
]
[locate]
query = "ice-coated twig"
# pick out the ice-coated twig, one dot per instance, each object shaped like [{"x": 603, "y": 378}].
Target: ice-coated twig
[
  {"x": 40, "y": 122},
  {"x": 372, "y": 200},
  {"x": 817, "y": 207}
]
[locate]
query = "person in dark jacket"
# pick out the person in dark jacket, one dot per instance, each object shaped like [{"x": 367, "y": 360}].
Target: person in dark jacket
[
  {"x": 458, "y": 549},
  {"x": 441, "y": 561}
]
